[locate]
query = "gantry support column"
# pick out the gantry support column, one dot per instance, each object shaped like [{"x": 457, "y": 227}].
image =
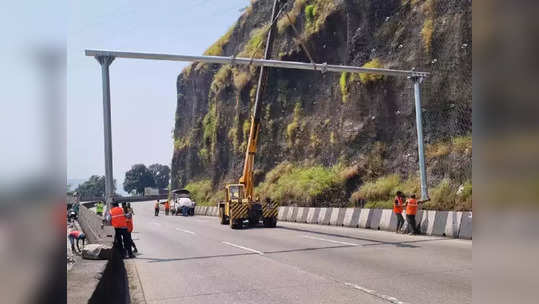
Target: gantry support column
[{"x": 420, "y": 142}]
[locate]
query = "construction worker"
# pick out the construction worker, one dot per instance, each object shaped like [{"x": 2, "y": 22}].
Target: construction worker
[
  {"x": 411, "y": 211},
  {"x": 121, "y": 236},
  {"x": 167, "y": 207},
  {"x": 398, "y": 203},
  {"x": 157, "y": 208},
  {"x": 129, "y": 220},
  {"x": 76, "y": 235},
  {"x": 99, "y": 208}
]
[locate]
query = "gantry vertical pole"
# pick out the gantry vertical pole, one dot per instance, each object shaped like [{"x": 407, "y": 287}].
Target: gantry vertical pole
[
  {"x": 105, "y": 62},
  {"x": 420, "y": 145}
]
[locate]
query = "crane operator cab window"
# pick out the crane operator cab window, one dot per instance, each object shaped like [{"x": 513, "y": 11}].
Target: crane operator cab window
[{"x": 236, "y": 192}]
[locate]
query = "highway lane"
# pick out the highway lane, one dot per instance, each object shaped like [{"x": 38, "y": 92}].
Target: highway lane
[{"x": 196, "y": 260}]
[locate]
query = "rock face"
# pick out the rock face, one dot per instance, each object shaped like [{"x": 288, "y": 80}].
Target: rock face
[{"x": 330, "y": 118}]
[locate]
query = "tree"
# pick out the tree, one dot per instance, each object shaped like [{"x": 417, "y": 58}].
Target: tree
[
  {"x": 161, "y": 175},
  {"x": 138, "y": 178},
  {"x": 93, "y": 187}
]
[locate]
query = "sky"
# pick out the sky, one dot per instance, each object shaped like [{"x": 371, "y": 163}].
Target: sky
[{"x": 143, "y": 92}]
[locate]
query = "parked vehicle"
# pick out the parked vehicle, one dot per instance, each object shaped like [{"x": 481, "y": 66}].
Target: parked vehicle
[{"x": 182, "y": 203}]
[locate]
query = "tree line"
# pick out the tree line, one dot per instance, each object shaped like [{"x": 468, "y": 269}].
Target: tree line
[{"x": 136, "y": 179}]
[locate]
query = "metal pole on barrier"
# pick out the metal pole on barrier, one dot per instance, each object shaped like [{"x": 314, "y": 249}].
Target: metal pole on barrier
[
  {"x": 105, "y": 62},
  {"x": 420, "y": 144}
]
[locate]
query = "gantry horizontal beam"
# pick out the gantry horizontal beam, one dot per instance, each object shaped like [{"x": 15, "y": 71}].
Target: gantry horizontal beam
[{"x": 323, "y": 67}]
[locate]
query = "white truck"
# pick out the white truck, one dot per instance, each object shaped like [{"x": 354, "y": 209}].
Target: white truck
[{"x": 181, "y": 203}]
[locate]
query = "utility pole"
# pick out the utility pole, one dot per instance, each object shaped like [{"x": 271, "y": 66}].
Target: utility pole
[
  {"x": 420, "y": 142},
  {"x": 105, "y": 62}
]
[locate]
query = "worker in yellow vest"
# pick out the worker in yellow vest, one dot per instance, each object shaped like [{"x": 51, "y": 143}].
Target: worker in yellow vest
[{"x": 99, "y": 208}]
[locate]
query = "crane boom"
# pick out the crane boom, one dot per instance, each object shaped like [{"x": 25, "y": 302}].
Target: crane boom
[{"x": 247, "y": 176}]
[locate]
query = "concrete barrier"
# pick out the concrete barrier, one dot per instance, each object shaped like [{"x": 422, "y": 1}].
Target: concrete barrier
[
  {"x": 388, "y": 220},
  {"x": 91, "y": 225},
  {"x": 290, "y": 214},
  {"x": 294, "y": 214},
  {"x": 337, "y": 216},
  {"x": 452, "y": 224},
  {"x": 301, "y": 217},
  {"x": 364, "y": 218},
  {"x": 374, "y": 219},
  {"x": 426, "y": 220},
  {"x": 465, "y": 231},
  {"x": 440, "y": 221},
  {"x": 312, "y": 215},
  {"x": 281, "y": 213},
  {"x": 325, "y": 216},
  {"x": 351, "y": 217}
]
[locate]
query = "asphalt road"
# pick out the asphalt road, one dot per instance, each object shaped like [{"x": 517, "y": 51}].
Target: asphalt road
[{"x": 197, "y": 260}]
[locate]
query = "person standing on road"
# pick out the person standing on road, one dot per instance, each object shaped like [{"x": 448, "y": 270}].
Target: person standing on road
[
  {"x": 397, "y": 209},
  {"x": 121, "y": 236},
  {"x": 157, "y": 208},
  {"x": 167, "y": 207},
  {"x": 411, "y": 211},
  {"x": 129, "y": 219},
  {"x": 99, "y": 208}
]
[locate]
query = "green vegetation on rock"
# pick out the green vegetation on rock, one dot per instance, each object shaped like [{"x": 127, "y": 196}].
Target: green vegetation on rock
[
  {"x": 366, "y": 78},
  {"x": 216, "y": 49},
  {"x": 201, "y": 191},
  {"x": 426, "y": 33}
]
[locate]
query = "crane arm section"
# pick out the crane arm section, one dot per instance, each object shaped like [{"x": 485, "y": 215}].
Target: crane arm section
[{"x": 247, "y": 177}]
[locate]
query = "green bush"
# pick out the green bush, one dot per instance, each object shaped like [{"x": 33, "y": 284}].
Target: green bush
[
  {"x": 216, "y": 49},
  {"x": 220, "y": 79},
  {"x": 381, "y": 189},
  {"x": 255, "y": 45},
  {"x": 343, "y": 84},
  {"x": 209, "y": 124},
  {"x": 302, "y": 184},
  {"x": 292, "y": 128},
  {"x": 426, "y": 33},
  {"x": 310, "y": 12},
  {"x": 442, "y": 196},
  {"x": 201, "y": 191},
  {"x": 366, "y": 78},
  {"x": 380, "y": 205}
]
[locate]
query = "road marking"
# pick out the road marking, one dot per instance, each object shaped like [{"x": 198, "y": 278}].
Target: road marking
[
  {"x": 375, "y": 293},
  {"x": 332, "y": 241},
  {"x": 186, "y": 231},
  {"x": 156, "y": 223},
  {"x": 244, "y": 248}
]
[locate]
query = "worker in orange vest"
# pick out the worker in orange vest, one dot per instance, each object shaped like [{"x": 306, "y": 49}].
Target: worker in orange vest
[
  {"x": 398, "y": 203},
  {"x": 121, "y": 236},
  {"x": 411, "y": 211},
  {"x": 167, "y": 207}
]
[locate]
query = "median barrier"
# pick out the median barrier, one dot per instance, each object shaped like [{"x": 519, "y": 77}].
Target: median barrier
[
  {"x": 388, "y": 220},
  {"x": 203, "y": 210},
  {"x": 325, "y": 216},
  {"x": 426, "y": 221},
  {"x": 91, "y": 223},
  {"x": 215, "y": 211},
  {"x": 351, "y": 217},
  {"x": 452, "y": 224},
  {"x": 374, "y": 219},
  {"x": 301, "y": 215},
  {"x": 312, "y": 215},
  {"x": 364, "y": 218},
  {"x": 440, "y": 221},
  {"x": 294, "y": 214},
  {"x": 290, "y": 214},
  {"x": 465, "y": 231},
  {"x": 281, "y": 212},
  {"x": 321, "y": 215},
  {"x": 337, "y": 216}
]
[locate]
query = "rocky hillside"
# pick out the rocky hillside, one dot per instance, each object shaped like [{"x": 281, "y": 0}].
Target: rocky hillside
[{"x": 355, "y": 130}]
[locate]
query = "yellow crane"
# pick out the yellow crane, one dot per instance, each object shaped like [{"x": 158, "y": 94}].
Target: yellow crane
[{"x": 240, "y": 204}]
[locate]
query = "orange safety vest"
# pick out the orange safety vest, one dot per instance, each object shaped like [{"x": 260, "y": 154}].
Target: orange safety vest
[
  {"x": 411, "y": 206},
  {"x": 167, "y": 205},
  {"x": 118, "y": 219},
  {"x": 397, "y": 204},
  {"x": 129, "y": 222}
]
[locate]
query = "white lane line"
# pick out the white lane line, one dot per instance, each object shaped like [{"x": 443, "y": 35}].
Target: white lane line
[
  {"x": 186, "y": 231},
  {"x": 375, "y": 293},
  {"x": 244, "y": 248},
  {"x": 156, "y": 223},
  {"x": 331, "y": 241}
]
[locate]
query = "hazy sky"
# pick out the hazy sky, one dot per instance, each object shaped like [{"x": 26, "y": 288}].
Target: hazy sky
[{"x": 143, "y": 93}]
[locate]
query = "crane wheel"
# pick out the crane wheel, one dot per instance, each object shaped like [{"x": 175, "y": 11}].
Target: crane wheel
[{"x": 235, "y": 224}]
